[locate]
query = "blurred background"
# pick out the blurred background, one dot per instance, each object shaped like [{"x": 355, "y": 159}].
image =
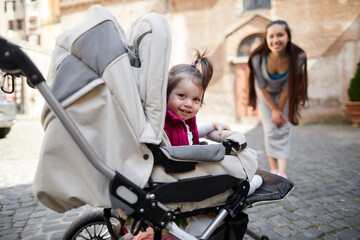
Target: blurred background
[{"x": 328, "y": 31}]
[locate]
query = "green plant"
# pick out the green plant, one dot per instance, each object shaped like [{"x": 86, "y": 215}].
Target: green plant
[{"x": 354, "y": 88}]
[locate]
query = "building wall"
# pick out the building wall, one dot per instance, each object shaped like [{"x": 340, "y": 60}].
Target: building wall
[{"x": 328, "y": 30}]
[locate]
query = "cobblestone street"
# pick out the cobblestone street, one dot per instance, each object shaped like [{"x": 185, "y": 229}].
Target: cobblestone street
[
  {"x": 325, "y": 169},
  {"x": 324, "y": 166}
]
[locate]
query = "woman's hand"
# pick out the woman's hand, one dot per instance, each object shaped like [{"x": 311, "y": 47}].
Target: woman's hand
[
  {"x": 277, "y": 117},
  {"x": 220, "y": 127}
]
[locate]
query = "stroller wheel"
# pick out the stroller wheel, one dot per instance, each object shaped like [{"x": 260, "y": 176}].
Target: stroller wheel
[{"x": 93, "y": 226}]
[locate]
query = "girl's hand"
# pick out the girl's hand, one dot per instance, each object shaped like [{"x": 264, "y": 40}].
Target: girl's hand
[
  {"x": 278, "y": 118},
  {"x": 220, "y": 127}
]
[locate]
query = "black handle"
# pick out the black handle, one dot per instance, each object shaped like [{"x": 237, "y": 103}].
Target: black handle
[
  {"x": 14, "y": 61},
  {"x": 228, "y": 144}
]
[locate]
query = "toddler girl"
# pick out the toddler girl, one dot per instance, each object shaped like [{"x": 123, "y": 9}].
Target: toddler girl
[
  {"x": 185, "y": 94},
  {"x": 187, "y": 84}
]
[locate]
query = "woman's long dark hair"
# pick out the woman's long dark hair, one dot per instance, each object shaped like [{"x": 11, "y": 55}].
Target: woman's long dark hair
[{"x": 297, "y": 75}]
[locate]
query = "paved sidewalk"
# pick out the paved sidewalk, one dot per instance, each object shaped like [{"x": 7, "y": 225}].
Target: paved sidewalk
[{"x": 324, "y": 166}]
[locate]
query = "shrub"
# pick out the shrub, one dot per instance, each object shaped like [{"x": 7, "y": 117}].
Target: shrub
[{"x": 354, "y": 88}]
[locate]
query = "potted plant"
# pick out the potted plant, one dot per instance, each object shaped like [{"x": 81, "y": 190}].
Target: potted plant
[{"x": 353, "y": 107}]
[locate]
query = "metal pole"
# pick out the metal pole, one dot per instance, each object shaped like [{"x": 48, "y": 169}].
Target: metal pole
[
  {"x": 214, "y": 225},
  {"x": 174, "y": 230}
]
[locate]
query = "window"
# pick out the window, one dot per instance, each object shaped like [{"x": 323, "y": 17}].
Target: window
[
  {"x": 255, "y": 4},
  {"x": 33, "y": 39},
  {"x": 32, "y": 23},
  {"x": 10, "y": 6},
  {"x": 16, "y": 25},
  {"x": 20, "y": 24},
  {"x": 11, "y": 25},
  {"x": 249, "y": 44}
]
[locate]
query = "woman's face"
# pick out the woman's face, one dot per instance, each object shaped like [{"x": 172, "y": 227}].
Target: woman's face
[{"x": 277, "y": 38}]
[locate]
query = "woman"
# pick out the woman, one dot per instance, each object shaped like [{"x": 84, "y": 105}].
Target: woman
[{"x": 279, "y": 67}]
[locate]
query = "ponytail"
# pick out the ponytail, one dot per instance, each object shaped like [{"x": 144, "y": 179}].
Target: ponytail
[
  {"x": 200, "y": 70},
  {"x": 205, "y": 68}
]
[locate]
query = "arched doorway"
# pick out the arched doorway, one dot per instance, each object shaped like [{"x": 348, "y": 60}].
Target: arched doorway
[{"x": 246, "y": 46}]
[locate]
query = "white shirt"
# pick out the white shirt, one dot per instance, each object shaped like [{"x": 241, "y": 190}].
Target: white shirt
[{"x": 203, "y": 129}]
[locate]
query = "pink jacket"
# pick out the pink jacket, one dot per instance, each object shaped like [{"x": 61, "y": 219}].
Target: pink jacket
[{"x": 176, "y": 130}]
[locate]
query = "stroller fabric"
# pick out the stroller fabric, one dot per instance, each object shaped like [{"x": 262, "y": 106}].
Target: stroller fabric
[{"x": 113, "y": 86}]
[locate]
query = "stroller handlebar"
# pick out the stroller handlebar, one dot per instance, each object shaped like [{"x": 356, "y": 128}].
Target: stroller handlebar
[{"x": 15, "y": 62}]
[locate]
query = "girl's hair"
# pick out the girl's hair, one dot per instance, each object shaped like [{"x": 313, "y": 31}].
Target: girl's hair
[
  {"x": 297, "y": 75},
  {"x": 200, "y": 71}
]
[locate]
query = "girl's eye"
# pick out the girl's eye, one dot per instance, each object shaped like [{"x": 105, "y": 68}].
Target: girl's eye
[
  {"x": 197, "y": 100},
  {"x": 181, "y": 95}
]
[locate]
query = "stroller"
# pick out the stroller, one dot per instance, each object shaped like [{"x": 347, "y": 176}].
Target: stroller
[{"x": 112, "y": 85}]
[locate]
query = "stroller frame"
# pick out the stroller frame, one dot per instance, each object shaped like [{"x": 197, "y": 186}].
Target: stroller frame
[{"x": 137, "y": 203}]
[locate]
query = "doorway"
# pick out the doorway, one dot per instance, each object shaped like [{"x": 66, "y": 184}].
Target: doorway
[{"x": 246, "y": 46}]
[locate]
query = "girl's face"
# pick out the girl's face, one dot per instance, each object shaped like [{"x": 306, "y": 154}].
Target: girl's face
[
  {"x": 277, "y": 38},
  {"x": 185, "y": 99}
]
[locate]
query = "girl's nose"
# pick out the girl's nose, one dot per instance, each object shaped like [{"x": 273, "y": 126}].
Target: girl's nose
[{"x": 188, "y": 103}]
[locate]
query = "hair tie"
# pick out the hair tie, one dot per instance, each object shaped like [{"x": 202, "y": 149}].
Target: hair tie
[{"x": 193, "y": 64}]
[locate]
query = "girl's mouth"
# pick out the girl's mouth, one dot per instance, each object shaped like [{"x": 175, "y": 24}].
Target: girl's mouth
[{"x": 185, "y": 111}]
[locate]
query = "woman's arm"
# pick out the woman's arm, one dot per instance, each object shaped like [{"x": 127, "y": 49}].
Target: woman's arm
[
  {"x": 277, "y": 116},
  {"x": 284, "y": 95}
]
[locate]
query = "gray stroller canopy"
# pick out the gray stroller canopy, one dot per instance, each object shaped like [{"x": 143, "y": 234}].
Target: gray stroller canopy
[{"x": 84, "y": 54}]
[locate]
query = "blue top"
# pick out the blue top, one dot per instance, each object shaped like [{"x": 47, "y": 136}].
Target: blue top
[
  {"x": 264, "y": 80},
  {"x": 275, "y": 76}
]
